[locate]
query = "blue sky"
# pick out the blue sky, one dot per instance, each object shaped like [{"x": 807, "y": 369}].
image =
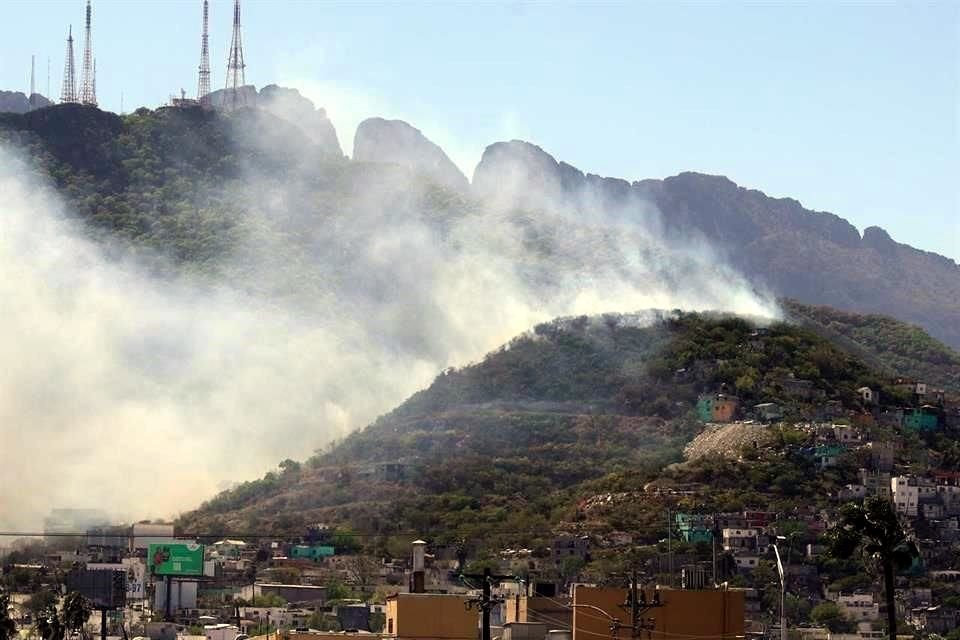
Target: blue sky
[{"x": 852, "y": 108}]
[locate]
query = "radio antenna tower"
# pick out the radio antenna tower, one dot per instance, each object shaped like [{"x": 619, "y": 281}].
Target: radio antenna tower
[
  {"x": 235, "y": 74},
  {"x": 69, "y": 91},
  {"x": 88, "y": 87},
  {"x": 33, "y": 80},
  {"x": 203, "y": 87}
]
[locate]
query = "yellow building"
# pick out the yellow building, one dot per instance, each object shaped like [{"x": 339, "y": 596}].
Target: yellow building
[
  {"x": 706, "y": 614},
  {"x": 431, "y": 616}
]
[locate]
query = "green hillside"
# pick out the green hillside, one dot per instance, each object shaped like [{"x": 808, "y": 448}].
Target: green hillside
[
  {"x": 504, "y": 450},
  {"x": 898, "y": 347}
]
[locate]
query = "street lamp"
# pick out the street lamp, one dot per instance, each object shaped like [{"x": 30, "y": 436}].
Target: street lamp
[{"x": 783, "y": 591}]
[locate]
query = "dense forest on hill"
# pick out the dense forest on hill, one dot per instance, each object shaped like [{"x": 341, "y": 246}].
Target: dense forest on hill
[{"x": 900, "y": 348}]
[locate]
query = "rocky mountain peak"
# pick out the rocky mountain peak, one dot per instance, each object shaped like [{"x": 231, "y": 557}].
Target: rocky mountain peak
[{"x": 395, "y": 141}]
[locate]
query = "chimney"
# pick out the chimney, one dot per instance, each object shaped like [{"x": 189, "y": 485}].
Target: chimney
[{"x": 417, "y": 579}]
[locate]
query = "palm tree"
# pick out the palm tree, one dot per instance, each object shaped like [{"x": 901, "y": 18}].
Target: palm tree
[
  {"x": 76, "y": 611},
  {"x": 8, "y": 628},
  {"x": 874, "y": 529}
]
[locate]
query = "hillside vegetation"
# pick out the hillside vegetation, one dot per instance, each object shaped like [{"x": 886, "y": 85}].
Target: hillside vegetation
[{"x": 503, "y": 450}]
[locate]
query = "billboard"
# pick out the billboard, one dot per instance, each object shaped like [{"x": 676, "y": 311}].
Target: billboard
[
  {"x": 175, "y": 559},
  {"x": 105, "y": 589}
]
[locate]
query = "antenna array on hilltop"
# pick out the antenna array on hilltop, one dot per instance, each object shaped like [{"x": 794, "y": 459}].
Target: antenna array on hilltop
[
  {"x": 203, "y": 86},
  {"x": 88, "y": 87},
  {"x": 86, "y": 93},
  {"x": 69, "y": 91},
  {"x": 235, "y": 66}
]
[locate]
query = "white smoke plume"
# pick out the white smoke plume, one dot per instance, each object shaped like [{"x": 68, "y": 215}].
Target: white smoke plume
[{"x": 143, "y": 396}]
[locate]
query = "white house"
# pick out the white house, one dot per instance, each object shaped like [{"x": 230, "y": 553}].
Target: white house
[
  {"x": 907, "y": 492},
  {"x": 859, "y": 607}
]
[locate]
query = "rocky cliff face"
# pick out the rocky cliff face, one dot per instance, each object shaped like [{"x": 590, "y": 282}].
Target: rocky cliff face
[
  {"x": 289, "y": 105},
  {"x": 18, "y": 102},
  {"x": 813, "y": 256},
  {"x": 395, "y": 141}
]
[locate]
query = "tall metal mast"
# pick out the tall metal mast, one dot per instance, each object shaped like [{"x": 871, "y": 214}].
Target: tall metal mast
[
  {"x": 33, "y": 80},
  {"x": 235, "y": 66},
  {"x": 68, "y": 93},
  {"x": 88, "y": 87},
  {"x": 203, "y": 87}
]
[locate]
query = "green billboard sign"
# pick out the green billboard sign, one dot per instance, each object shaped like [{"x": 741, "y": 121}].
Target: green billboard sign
[{"x": 175, "y": 559}]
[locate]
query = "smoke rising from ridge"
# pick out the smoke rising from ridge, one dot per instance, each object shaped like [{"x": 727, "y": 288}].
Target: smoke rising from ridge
[{"x": 144, "y": 396}]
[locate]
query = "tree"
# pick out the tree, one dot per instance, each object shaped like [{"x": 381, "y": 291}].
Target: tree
[
  {"x": 49, "y": 625},
  {"x": 8, "y": 628},
  {"x": 873, "y": 528},
  {"x": 40, "y": 602},
  {"x": 829, "y": 615},
  {"x": 76, "y": 611},
  {"x": 361, "y": 571}
]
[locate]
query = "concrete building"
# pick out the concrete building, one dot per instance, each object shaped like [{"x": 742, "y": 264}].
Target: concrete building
[
  {"x": 739, "y": 538},
  {"x": 292, "y": 593},
  {"x": 907, "y": 491},
  {"x": 220, "y": 632},
  {"x": 859, "y": 607},
  {"x": 430, "y": 616},
  {"x": 877, "y": 483},
  {"x": 682, "y": 613}
]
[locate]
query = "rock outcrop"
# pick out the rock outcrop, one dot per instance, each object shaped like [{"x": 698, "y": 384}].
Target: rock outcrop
[
  {"x": 395, "y": 141},
  {"x": 289, "y": 105},
  {"x": 814, "y": 256}
]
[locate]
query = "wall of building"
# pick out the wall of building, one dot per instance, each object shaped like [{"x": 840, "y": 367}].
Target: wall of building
[
  {"x": 553, "y": 612},
  {"x": 690, "y": 613},
  {"x": 431, "y": 616}
]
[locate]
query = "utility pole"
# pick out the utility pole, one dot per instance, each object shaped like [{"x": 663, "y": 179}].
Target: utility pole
[
  {"x": 669, "y": 547},
  {"x": 638, "y": 605},
  {"x": 486, "y": 602}
]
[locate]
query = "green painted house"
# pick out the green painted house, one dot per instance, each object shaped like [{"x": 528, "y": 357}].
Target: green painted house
[
  {"x": 315, "y": 552},
  {"x": 925, "y": 418},
  {"x": 693, "y": 527}
]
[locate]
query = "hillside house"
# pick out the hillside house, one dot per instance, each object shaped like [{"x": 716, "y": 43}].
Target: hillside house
[
  {"x": 907, "y": 492},
  {"x": 800, "y": 388},
  {"x": 745, "y": 538},
  {"x": 571, "y": 547},
  {"x": 926, "y": 418},
  {"x": 827, "y": 455},
  {"x": 845, "y": 433},
  {"x": 694, "y": 527},
  {"x": 877, "y": 483},
  {"x": 768, "y": 411},
  {"x": 717, "y": 407},
  {"x": 859, "y": 607},
  {"x": 937, "y": 619},
  {"x": 746, "y": 561},
  {"x": 868, "y": 396},
  {"x": 316, "y": 553},
  {"x": 882, "y": 455}
]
